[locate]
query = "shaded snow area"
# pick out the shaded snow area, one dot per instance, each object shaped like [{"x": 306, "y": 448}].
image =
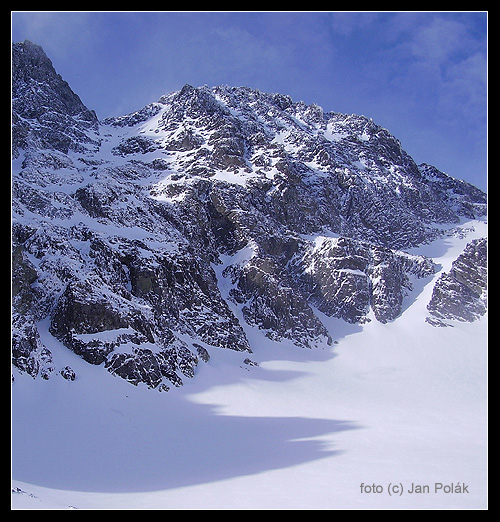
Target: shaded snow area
[{"x": 389, "y": 416}]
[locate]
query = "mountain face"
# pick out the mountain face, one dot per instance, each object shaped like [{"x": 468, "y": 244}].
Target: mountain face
[{"x": 144, "y": 240}]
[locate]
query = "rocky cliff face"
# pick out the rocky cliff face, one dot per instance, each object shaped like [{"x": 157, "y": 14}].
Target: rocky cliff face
[
  {"x": 147, "y": 239},
  {"x": 461, "y": 293}
]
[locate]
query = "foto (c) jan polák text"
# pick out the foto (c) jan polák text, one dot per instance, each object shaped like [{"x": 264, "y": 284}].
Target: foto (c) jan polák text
[{"x": 413, "y": 488}]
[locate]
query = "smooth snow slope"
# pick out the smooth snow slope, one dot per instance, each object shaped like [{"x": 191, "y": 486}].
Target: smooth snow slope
[{"x": 400, "y": 404}]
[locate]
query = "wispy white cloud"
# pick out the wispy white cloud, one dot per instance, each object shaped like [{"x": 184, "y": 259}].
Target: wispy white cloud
[
  {"x": 446, "y": 56},
  {"x": 439, "y": 41}
]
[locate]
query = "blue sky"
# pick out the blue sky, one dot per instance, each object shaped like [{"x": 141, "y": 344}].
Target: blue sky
[{"x": 421, "y": 75}]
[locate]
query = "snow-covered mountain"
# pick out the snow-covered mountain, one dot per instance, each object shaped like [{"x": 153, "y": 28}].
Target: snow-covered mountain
[
  {"x": 148, "y": 238},
  {"x": 224, "y": 232}
]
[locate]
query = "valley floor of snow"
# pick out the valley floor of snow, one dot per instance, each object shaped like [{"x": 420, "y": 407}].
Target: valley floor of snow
[{"x": 391, "y": 416}]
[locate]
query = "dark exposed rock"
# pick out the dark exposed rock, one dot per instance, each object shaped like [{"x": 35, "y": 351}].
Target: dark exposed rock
[
  {"x": 28, "y": 352},
  {"x": 271, "y": 304},
  {"x": 345, "y": 278},
  {"x": 202, "y": 352},
  {"x": 134, "y": 145},
  {"x": 140, "y": 366},
  {"x": 68, "y": 373},
  {"x": 461, "y": 293}
]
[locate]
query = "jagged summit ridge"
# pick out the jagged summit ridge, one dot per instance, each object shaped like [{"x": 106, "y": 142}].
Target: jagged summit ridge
[
  {"x": 142, "y": 241},
  {"x": 337, "y": 167}
]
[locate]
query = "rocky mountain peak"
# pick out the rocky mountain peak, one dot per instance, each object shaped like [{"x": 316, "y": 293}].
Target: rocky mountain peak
[
  {"x": 144, "y": 241},
  {"x": 44, "y": 108}
]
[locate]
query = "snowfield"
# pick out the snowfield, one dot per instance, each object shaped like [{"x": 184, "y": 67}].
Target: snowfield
[{"x": 391, "y": 416}]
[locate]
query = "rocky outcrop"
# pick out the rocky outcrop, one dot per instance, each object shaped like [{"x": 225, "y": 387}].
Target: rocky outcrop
[
  {"x": 461, "y": 293},
  {"x": 269, "y": 302},
  {"x": 347, "y": 278}
]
